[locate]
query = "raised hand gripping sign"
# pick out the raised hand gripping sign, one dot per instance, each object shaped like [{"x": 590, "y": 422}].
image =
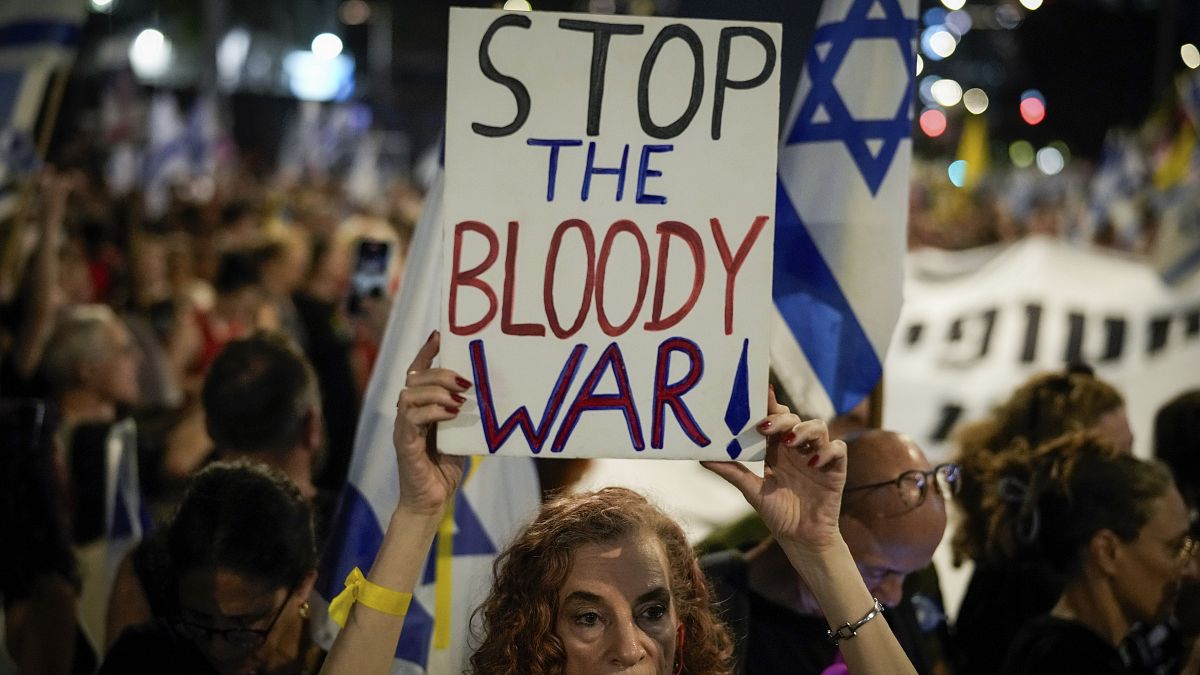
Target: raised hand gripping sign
[{"x": 608, "y": 232}]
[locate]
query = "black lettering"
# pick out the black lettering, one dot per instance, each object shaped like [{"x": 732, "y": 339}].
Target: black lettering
[
  {"x": 693, "y": 41},
  {"x": 601, "y": 34},
  {"x": 951, "y": 413},
  {"x": 519, "y": 92},
  {"x": 1033, "y": 322},
  {"x": 1160, "y": 327},
  {"x": 723, "y": 82},
  {"x": 1114, "y": 339},
  {"x": 1074, "y": 353}
]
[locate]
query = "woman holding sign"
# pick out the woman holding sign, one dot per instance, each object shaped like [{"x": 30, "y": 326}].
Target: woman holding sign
[{"x": 604, "y": 582}]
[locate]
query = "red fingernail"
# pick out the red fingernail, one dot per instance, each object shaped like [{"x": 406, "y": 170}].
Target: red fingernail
[
  {"x": 457, "y": 398},
  {"x": 462, "y": 383},
  {"x": 765, "y": 425},
  {"x": 431, "y": 334},
  {"x": 450, "y": 409},
  {"x": 787, "y": 440},
  {"x": 813, "y": 460}
]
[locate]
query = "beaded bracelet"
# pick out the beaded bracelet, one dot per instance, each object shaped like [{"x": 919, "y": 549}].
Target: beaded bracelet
[
  {"x": 849, "y": 630},
  {"x": 377, "y": 597}
]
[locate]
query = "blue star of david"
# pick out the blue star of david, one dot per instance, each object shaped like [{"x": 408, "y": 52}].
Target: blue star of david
[{"x": 840, "y": 124}]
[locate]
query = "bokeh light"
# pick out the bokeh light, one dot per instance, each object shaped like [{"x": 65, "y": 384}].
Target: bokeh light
[
  {"x": 326, "y": 46},
  {"x": 925, "y": 90},
  {"x": 933, "y": 122},
  {"x": 1033, "y": 106},
  {"x": 1031, "y": 4},
  {"x": 1007, "y": 17},
  {"x": 101, "y": 6},
  {"x": 959, "y": 21},
  {"x": 354, "y": 12},
  {"x": 975, "y": 100},
  {"x": 150, "y": 54},
  {"x": 946, "y": 92},
  {"x": 518, "y": 5},
  {"x": 920, "y": 64},
  {"x": 1190, "y": 55},
  {"x": 957, "y": 171},
  {"x": 942, "y": 42},
  {"x": 1021, "y": 153},
  {"x": 1050, "y": 161},
  {"x": 954, "y": 4}
]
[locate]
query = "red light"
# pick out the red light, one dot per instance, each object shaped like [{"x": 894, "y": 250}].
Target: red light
[
  {"x": 933, "y": 123},
  {"x": 1033, "y": 110}
]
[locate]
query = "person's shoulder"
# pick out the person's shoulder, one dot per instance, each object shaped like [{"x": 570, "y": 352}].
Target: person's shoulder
[
  {"x": 1048, "y": 644},
  {"x": 154, "y": 647}
]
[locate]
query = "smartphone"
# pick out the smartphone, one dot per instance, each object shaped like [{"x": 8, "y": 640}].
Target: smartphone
[{"x": 372, "y": 259}]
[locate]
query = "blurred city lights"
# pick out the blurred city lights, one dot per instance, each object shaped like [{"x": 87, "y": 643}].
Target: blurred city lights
[
  {"x": 313, "y": 78},
  {"x": 326, "y": 46},
  {"x": 354, "y": 12},
  {"x": 1033, "y": 106},
  {"x": 518, "y": 5},
  {"x": 933, "y": 122},
  {"x": 231, "y": 56},
  {"x": 1021, "y": 153},
  {"x": 1007, "y": 17},
  {"x": 975, "y": 100},
  {"x": 1190, "y": 55},
  {"x": 1050, "y": 161},
  {"x": 934, "y": 16},
  {"x": 957, "y": 171},
  {"x": 925, "y": 89},
  {"x": 920, "y": 64},
  {"x": 150, "y": 54},
  {"x": 959, "y": 22},
  {"x": 942, "y": 42},
  {"x": 946, "y": 92},
  {"x": 954, "y": 4},
  {"x": 1063, "y": 150},
  {"x": 101, "y": 6},
  {"x": 1031, "y": 4}
]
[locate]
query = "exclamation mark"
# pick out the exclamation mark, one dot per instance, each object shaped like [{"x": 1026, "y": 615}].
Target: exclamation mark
[{"x": 738, "y": 411}]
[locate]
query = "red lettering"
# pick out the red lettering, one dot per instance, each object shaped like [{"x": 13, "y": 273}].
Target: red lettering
[
  {"x": 510, "y": 279},
  {"x": 585, "y": 303},
  {"x": 666, "y": 230},
  {"x": 588, "y": 399},
  {"x": 494, "y": 433},
  {"x": 602, "y": 270},
  {"x": 671, "y": 395},
  {"x": 471, "y": 277},
  {"x": 733, "y": 263}
]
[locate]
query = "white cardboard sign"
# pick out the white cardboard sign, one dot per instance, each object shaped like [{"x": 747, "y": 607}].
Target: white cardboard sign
[{"x": 608, "y": 233}]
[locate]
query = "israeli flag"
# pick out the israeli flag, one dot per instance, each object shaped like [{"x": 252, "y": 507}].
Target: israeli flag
[
  {"x": 842, "y": 204},
  {"x": 36, "y": 40},
  {"x": 498, "y": 495}
]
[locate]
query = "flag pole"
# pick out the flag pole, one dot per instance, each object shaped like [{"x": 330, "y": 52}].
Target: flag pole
[{"x": 875, "y": 406}]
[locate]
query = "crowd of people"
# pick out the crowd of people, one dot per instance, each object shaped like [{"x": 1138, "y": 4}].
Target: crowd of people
[{"x": 224, "y": 333}]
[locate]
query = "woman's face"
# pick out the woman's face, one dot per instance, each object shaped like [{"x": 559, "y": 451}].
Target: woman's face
[
  {"x": 233, "y": 620},
  {"x": 615, "y": 612},
  {"x": 1153, "y": 565}
]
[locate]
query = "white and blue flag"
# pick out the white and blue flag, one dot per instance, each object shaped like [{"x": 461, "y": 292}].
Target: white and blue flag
[
  {"x": 37, "y": 39},
  {"x": 498, "y": 495},
  {"x": 842, "y": 205}
]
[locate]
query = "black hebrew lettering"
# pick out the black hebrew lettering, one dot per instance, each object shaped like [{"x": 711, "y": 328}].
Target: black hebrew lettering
[
  {"x": 913, "y": 334},
  {"x": 1114, "y": 339},
  {"x": 951, "y": 413},
  {"x": 1074, "y": 353},
  {"x": 1033, "y": 322},
  {"x": 601, "y": 34},
  {"x": 969, "y": 339},
  {"x": 723, "y": 82},
  {"x": 1160, "y": 327},
  {"x": 1192, "y": 323},
  {"x": 519, "y": 92},
  {"x": 674, "y": 31}
]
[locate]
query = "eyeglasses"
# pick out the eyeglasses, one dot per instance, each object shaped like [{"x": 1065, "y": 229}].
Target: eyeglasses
[
  {"x": 912, "y": 486},
  {"x": 241, "y": 638},
  {"x": 1188, "y": 547}
]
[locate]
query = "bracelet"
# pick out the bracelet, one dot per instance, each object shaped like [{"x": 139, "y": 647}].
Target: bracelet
[
  {"x": 849, "y": 630},
  {"x": 377, "y": 597}
]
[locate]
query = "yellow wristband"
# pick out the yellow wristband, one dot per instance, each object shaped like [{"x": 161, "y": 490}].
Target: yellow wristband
[{"x": 378, "y": 598}]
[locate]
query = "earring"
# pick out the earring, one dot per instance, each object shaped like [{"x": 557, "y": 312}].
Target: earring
[{"x": 304, "y": 610}]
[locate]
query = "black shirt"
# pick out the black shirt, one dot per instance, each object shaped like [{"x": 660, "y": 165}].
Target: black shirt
[
  {"x": 1052, "y": 646},
  {"x": 154, "y": 648}
]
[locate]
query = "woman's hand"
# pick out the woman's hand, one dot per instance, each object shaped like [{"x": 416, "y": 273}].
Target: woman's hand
[
  {"x": 800, "y": 493},
  {"x": 428, "y": 478}
]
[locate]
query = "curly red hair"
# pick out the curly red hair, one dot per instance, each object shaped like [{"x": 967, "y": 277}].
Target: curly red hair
[{"x": 517, "y": 619}]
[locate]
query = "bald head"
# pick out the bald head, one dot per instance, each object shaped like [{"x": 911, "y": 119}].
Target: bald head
[{"x": 888, "y": 537}]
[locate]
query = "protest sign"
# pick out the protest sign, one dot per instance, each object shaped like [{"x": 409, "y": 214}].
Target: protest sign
[{"x": 608, "y": 234}]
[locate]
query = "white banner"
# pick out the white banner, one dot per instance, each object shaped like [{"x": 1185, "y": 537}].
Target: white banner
[{"x": 977, "y": 324}]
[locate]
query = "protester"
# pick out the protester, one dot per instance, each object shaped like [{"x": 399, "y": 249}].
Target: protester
[
  {"x": 1112, "y": 528},
  {"x": 892, "y": 518},
  {"x": 243, "y": 562},
  {"x": 618, "y": 590},
  {"x": 1002, "y": 594}
]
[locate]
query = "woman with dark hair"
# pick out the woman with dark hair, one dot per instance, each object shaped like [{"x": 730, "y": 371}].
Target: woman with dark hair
[
  {"x": 1004, "y": 593},
  {"x": 1113, "y": 528},
  {"x": 604, "y": 582},
  {"x": 243, "y": 562}
]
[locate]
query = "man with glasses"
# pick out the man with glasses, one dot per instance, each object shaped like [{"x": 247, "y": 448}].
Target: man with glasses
[{"x": 893, "y": 518}]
